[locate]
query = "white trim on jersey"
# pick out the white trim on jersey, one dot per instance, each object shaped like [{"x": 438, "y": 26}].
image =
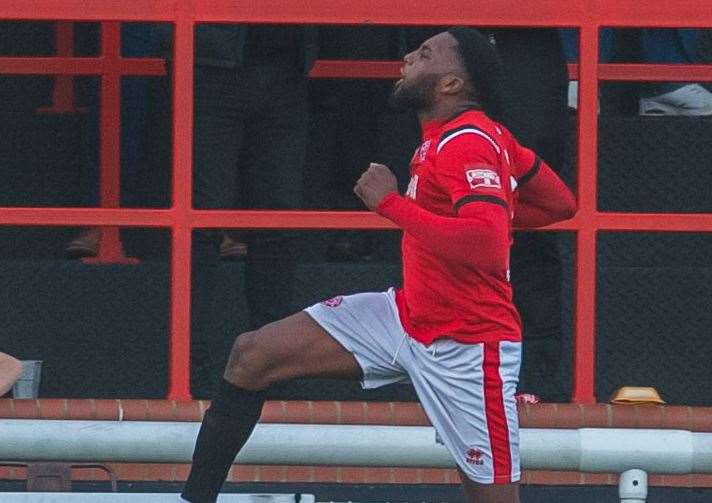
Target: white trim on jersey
[
  {"x": 469, "y": 130},
  {"x": 510, "y": 361}
]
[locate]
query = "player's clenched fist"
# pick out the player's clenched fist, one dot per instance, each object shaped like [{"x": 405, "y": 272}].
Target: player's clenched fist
[{"x": 375, "y": 183}]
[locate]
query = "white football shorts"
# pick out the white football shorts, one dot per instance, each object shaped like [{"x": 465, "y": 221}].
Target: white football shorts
[{"x": 467, "y": 390}]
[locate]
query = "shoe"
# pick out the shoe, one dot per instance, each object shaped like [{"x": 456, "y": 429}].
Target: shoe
[
  {"x": 86, "y": 244},
  {"x": 572, "y": 95},
  {"x": 691, "y": 100},
  {"x": 232, "y": 249}
]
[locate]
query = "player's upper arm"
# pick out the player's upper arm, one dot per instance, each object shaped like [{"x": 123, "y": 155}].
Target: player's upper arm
[
  {"x": 468, "y": 168},
  {"x": 536, "y": 184},
  {"x": 525, "y": 165}
]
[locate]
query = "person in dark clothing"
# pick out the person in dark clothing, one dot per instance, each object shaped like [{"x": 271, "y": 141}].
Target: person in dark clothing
[
  {"x": 534, "y": 88},
  {"x": 249, "y": 142},
  {"x": 138, "y": 40},
  {"x": 346, "y": 132}
]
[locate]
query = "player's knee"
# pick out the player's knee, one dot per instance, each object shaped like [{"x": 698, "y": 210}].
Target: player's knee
[{"x": 247, "y": 366}]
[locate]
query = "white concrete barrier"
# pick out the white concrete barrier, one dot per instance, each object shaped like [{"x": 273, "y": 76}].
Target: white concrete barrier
[{"x": 587, "y": 449}]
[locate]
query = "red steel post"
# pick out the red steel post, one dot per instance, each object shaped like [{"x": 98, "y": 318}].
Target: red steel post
[
  {"x": 585, "y": 324},
  {"x": 179, "y": 364},
  {"x": 111, "y": 249}
]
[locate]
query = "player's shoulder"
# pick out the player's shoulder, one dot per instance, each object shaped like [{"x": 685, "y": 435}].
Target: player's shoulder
[{"x": 472, "y": 127}]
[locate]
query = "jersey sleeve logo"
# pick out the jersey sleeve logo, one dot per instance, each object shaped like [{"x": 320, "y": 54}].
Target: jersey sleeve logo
[{"x": 483, "y": 178}]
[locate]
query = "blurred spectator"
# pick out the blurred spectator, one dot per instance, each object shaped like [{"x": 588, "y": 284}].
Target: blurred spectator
[
  {"x": 249, "y": 146},
  {"x": 249, "y": 139},
  {"x": 673, "y": 46},
  {"x": 657, "y": 46},
  {"x": 10, "y": 372},
  {"x": 137, "y": 40},
  {"x": 346, "y": 130},
  {"x": 535, "y": 80}
]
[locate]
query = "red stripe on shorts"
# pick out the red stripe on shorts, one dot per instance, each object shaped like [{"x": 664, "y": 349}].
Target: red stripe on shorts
[{"x": 496, "y": 415}]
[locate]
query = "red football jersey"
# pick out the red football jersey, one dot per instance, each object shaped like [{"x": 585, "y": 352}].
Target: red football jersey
[{"x": 469, "y": 159}]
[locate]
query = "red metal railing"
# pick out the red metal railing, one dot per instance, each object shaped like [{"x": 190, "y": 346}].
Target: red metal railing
[
  {"x": 587, "y": 15},
  {"x": 111, "y": 66}
]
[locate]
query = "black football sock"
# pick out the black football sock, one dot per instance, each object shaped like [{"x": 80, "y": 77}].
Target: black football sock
[{"x": 227, "y": 425}]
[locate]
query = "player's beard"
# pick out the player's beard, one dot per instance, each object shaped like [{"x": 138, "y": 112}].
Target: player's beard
[{"x": 417, "y": 96}]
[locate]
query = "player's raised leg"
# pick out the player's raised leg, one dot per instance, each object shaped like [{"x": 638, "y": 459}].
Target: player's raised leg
[{"x": 293, "y": 347}]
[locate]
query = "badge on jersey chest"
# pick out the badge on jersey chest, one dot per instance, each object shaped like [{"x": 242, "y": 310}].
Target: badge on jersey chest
[
  {"x": 483, "y": 178},
  {"x": 423, "y": 150}
]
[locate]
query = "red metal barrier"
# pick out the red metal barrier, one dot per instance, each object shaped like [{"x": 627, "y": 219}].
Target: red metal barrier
[
  {"x": 111, "y": 67},
  {"x": 587, "y": 15}
]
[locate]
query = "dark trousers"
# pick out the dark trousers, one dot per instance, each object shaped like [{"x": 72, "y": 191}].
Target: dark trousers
[
  {"x": 535, "y": 90},
  {"x": 137, "y": 41},
  {"x": 344, "y": 138},
  {"x": 678, "y": 45},
  {"x": 250, "y": 137},
  {"x": 352, "y": 126}
]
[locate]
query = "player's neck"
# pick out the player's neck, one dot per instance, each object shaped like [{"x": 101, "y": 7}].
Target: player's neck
[{"x": 446, "y": 111}]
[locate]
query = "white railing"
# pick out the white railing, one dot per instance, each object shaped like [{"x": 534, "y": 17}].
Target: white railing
[
  {"x": 586, "y": 449},
  {"x": 631, "y": 452}
]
